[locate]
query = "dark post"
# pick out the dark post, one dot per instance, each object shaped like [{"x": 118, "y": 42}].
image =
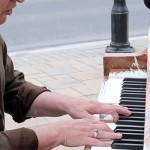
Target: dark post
[{"x": 119, "y": 29}]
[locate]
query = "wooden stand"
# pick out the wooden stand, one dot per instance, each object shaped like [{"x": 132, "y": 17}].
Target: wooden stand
[{"x": 124, "y": 61}]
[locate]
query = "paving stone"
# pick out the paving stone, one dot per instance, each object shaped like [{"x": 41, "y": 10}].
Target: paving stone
[
  {"x": 69, "y": 92},
  {"x": 60, "y": 70},
  {"x": 59, "y": 84},
  {"x": 88, "y": 89},
  {"x": 86, "y": 75},
  {"x": 10, "y": 124}
]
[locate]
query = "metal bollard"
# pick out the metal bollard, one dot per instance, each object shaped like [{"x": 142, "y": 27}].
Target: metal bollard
[{"x": 119, "y": 29}]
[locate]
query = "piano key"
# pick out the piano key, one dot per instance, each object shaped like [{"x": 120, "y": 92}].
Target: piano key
[
  {"x": 133, "y": 91},
  {"x": 131, "y": 106},
  {"x": 131, "y": 118},
  {"x": 130, "y": 122},
  {"x": 137, "y": 114},
  {"x": 134, "y": 116},
  {"x": 137, "y": 109},
  {"x": 133, "y": 83},
  {"x": 129, "y": 127},
  {"x": 101, "y": 148},
  {"x": 133, "y": 95},
  {"x": 123, "y": 144},
  {"x": 135, "y": 79},
  {"x": 134, "y": 86},
  {"x": 132, "y": 99},
  {"x": 129, "y": 131},
  {"x": 132, "y": 135},
  {"x": 131, "y": 102}
]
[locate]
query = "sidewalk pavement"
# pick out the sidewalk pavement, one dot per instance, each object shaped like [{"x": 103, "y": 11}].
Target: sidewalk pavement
[{"x": 74, "y": 70}]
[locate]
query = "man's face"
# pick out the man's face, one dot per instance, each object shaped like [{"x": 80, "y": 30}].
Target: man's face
[{"x": 6, "y": 8}]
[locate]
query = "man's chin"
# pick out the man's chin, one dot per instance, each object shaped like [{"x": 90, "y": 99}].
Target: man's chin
[{"x": 3, "y": 20}]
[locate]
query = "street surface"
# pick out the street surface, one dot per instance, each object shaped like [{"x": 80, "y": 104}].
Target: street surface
[{"x": 40, "y": 24}]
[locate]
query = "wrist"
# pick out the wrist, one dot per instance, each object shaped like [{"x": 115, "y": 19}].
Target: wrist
[{"x": 47, "y": 136}]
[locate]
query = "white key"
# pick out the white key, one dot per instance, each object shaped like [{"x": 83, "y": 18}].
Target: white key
[{"x": 103, "y": 148}]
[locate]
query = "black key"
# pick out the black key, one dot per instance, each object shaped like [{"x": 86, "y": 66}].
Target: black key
[
  {"x": 137, "y": 114},
  {"x": 134, "y": 83},
  {"x": 131, "y": 122},
  {"x": 129, "y": 102},
  {"x": 136, "y": 106},
  {"x": 137, "y": 109},
  {"x": 129, "y": 131},
  {"x": 125, "y": 130},
  {"x": 131, "y": 118},
  {"x": 134, "y": 114},
  {"x": 135, "y": 79},
  {"x": 135, "y": 95},
  {"x": 134, "y": 86},
  {"x": 132, "y": 99},
  {"x": 129, "y": 127},
  {"x": 132, "y": 135},
  {"x": 133, "y": 91},
  {"x": 125, "y": 144}
]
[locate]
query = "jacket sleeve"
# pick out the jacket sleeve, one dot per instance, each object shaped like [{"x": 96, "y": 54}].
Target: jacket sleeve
[
  {"x": 18, "y": 139},
  {"x": 4, "y": 142},
  {"x": 19, "y": 94},
  {"x": 18, "y": 97}
]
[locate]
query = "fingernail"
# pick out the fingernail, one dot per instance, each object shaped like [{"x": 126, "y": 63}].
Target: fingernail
[
  {"x": 108, "y": 145},
  {"x": 126, "y": 107},
  {"x": 130, "y": 112},
  {"x": 96, "y": 117},
  {"x": 119, "y": 135}
]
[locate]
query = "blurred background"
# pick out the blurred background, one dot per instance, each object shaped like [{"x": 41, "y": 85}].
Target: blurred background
[{"x": 49, "y": 23}]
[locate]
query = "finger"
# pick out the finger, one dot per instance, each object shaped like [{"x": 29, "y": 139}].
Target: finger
[
  {"x": 97, "y": 124},
  {"x": 103, "y": 127},
  {"x": 90, "y": 127},
  {"x": 123, "y": 110},
  {"x": 115, "y": 116},
  {"x": 100, "y": 124},
  {"x": 108, "y": 135},
  {"x": 96, "y": 142}
]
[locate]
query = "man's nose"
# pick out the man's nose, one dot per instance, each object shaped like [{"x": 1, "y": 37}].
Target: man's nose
[{"x": 20, "y": 1}]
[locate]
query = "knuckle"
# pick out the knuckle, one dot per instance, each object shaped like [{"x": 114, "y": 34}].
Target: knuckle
[
  {"x": 102, "y": 134},
  {"x": 104, "y": 127}
]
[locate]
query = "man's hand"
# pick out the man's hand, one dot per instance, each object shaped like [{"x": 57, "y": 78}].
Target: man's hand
[
  {"x": 54, "y": 104},
  {"x": 86, "y": 109}
]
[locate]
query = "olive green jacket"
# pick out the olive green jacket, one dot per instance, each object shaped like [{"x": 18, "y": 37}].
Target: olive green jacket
[{"x": 16, "y": 97}]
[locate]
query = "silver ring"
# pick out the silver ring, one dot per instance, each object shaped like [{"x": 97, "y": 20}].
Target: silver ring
[{"x": 96, "y": 133}]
